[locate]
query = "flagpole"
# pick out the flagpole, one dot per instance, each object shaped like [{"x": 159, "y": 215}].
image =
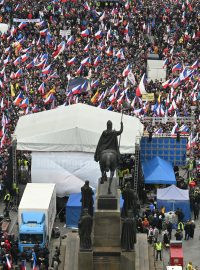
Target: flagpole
[{"x": 121, "y": 122}]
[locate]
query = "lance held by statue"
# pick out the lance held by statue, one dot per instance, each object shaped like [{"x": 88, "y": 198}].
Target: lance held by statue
[{"x": 107, "y": 152}]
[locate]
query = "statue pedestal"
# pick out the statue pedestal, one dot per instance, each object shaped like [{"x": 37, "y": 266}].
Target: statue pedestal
[
  {"x": 106, "y": 226},
  {"x": 106, "y": 248},
  {"x": 104, "y": 200}
]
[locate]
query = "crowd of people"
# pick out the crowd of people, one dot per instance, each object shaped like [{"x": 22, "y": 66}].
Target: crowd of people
[{"x": 51, "y": 42}]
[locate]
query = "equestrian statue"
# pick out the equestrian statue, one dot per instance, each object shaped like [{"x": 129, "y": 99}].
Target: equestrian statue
[{"x": 107, "y": 152}]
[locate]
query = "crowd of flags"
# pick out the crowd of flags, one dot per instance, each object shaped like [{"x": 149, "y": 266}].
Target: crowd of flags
[{"x": 117, "y": 93}]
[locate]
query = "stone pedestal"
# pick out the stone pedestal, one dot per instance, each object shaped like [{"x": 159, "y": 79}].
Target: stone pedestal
[
  {"x": 85, "y": 260},
  {"x": 128, "y": 260},
  {"x": 106, "y": 247}
]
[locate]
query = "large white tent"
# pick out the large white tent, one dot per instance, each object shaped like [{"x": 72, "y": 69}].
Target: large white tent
[{"x": 75, "y": 130}]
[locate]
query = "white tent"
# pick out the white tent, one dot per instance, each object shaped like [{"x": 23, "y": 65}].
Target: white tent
[
  {"x": 63, "y": 142},
  {"x": 74, "y": 128}
]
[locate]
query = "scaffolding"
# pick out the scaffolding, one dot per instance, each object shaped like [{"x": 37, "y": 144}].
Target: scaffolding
[{"x": 137, "y": 163}]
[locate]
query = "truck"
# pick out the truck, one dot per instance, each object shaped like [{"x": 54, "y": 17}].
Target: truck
[{"x": 36, "y": 215}]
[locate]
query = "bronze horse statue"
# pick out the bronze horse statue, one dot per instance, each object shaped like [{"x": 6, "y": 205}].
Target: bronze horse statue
[
  {"x": 108, "y": 162},
  {"x": 107, "y": 152}
]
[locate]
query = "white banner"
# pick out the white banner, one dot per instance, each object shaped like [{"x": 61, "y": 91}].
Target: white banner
[
  {"x": 65, "y": 32},
  {"x": 26, "y": 20},
  {"x": 68, "y": 170}
]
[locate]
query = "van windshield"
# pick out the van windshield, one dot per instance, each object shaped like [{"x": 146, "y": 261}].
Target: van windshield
[{"x": 31, "y": 238}]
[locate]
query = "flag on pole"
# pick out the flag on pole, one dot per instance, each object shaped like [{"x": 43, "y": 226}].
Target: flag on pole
[{"x": 141, "y": 87}]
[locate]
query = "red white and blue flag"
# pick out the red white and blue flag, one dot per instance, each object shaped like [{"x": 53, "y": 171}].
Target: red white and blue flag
[
  {"x": 18, "y": 74},
  {"x": 97, "y": 60},
  {"x": 19, "y": 98},
  {"x": 177, "y": 67},
  {"x": 98, "y": 34},
  {"x": 47, "y": 69},
  {"x": 22, "y": 25},
  {"x": 86, "y": 61},
  {"x": 71, "y": 61},
  {"x": 141, "y": 87},
  {"x": 86, "y": 6},
  {"x": 70, "y": 41},
  {"x": 17, "y": 61},
  {"x": 41, "y": 88},
  {"x": 24, "y": 103},
  {"x": 126, "y": 71},
  {"x": 85, "y": 33}
]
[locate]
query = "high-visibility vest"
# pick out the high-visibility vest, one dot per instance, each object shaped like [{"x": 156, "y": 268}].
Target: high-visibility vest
[
  {"x": 158, "y": 246},
  {"x": 189, "y": 267},
  {"x": 180, "y": 226},
  {"x": 7, "y": 197}
]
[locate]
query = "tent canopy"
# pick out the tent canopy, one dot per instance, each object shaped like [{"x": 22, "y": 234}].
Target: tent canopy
[
  {"x": 172, "y": 198},
  {"x": 158, "y": 171},
  {"x": 74, "y": 128},
  {"x": 172, "y": 193}
]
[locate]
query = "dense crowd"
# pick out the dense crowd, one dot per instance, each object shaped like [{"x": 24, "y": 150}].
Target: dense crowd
[{"x": 107, "y": 44}]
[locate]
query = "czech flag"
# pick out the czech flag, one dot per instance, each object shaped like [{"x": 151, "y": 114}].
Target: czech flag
[
  {"x": 114, "y": 88},
  {"x": 98, "y": 34},
  {"x": 195, "y": 65},
  {"x": 109, "y": 51},
  {"x": 71, "y": 61},
  {"x": 76, "y": 90},
  {"x": 97, "y": 60},
  {"x": 22, "y": 25},
  {"x": 126, "y": 29},
  {"x": 70, "y": 41},
  {"x": 86, "y": 61},
  {"x": 177, "y": 67},
  {"x": 127, "y": 5},
  {"x": 18, "y": 73},
  {"x": 30, "y": 65},
  {"x": 46, "y": 70},
  {"x": 49, "y": 99},
  {"x": 126, "y": 71},
  {"x": 59, "y": 50},
  {"x": 86, "y": 49},
  {"x": 94, "y": 84},
  {"x": 43, "y": 32},
  {"x": 113, "y": 98},
  {"x": 85, "y": 33},
  {"x": 166, "y": 84},
  {"x": 141, "y": 87},
  {"x": 24, "y": 57},
  {"x": 166, "y": 61},
  {"x": 79, "y": 70},
  {"x": 41, "y": 88},
  {"x": 41, "y": 64},
  {"x": 7, "y": 50},
  {"x": 84, "y": 86},
  {"x": 18, "y": 99},
  {"x": 177, "y": 82},
  {"x": 86, "y": 6},
  {"x": 24, "y": 103},
  {"x": 5, "y": 62},
  {"x": 17, "y": 61}
]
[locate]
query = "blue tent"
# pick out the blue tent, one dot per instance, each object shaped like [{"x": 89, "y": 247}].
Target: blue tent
[
  {"x": 172, "y": 198},
  {"x": 73, "y": 210},
  {"x": 158, "y": 171}
]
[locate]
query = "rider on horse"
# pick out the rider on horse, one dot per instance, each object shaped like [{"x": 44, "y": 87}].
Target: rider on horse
[{"x": 108, "y": 141}]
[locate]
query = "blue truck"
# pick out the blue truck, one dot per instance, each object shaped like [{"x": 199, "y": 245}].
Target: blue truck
[{"x": 36, "y": 215}]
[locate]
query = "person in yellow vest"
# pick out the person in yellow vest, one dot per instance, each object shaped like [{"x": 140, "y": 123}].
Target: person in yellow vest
[
  {"x": 121, "y": 177},
  {"x": 189, "y": 266},
  {"x": 7, "y": 199},
  {"x": 158, "y": 248},
  {"x": 180, "y": 226}
]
